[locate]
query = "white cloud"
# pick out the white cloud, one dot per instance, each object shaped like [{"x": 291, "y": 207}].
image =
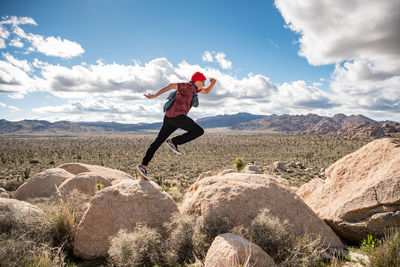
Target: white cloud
[
  {"x": 362, "y": 39},
  {"x": 219, "y": 57},
  {"x": 333, "y": 31},
  {"x": 2, "y": 43},
  {"x": 17, "y": 43},
  {"x": 2, "y": 105},
  {"x": 22, "y": 64},
  {"x": 15, "y": 80},
  {"x": 55, "y": 46},
  {"x": 224, "y": 63},
  {"x": 49, "y": 46},
  {"x": 99, "y": 109},
  {"x": 12, "y": 108},
  {"x": 207, "y": 57}
]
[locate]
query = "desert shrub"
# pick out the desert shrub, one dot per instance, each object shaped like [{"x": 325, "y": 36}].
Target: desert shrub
[
  {"x": 212, "y": 225},
  {"x": 388, "y": 253},
  {"x": 368, "y": 244},
  {"x": 24, "y": 252},
  {"x": 238, "y": 164},
  {"x": 78, "y": 202},
  {"x": 306, "y": 251},
  {"x": 64, "y": 215},
  {"x": 178, "y": 248},
  {"x": 140, "y": 248},
  {"x": 62, "y": 218},
  {"x": 270, "y": 234}
]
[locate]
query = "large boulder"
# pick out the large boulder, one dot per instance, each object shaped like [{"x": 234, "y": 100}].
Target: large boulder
[
  {"x": 42, "y": 185},
  {"x": 84, "y": 182},
  {"x": 114, "y": 176},
  {"x": 233, "y": 250},
  {"x": 361, "y": 194},
  {"x": 241, "y": 196},
  {"x": 121, "y": 206},
  {"x": 20, "y": 218}
]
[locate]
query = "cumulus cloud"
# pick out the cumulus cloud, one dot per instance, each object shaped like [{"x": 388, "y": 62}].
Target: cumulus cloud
[
  {"x": 99, "y": 89},
  {"x": 49, "y": 46},
  {"x": 362, "y": 39},
  {"x": 219, "y": 57},
  {"x": 207, "y": 57},
  {"x": 98, "y": 109}
]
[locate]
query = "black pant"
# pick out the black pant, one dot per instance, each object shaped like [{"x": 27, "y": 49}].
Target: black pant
[{"x": 169, "y": 126}]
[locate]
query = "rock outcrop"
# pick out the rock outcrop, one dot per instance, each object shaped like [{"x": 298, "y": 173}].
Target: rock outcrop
[
  {"x": 361, "y": 194},
  {"x": 22, "y": 218},
  {"x": 42, "y": 185},
  {"x": 114, "y": 176},
  {"x": 121, "y": 206},
  {"x": 240, "y": 197},
  {"x": 84, "y": 182},
  {"x": 233, "y": 250}
]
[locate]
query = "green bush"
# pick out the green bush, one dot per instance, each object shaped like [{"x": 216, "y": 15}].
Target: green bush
[
  {"x": 369, "y": 244},
  {"x": 207, "y": 229},
  {"x": 140, "y": 248},
  {"x": 270, "y": 234},
  {"x": 238, "y": 164},
  {"x": 178, "y": 247}
]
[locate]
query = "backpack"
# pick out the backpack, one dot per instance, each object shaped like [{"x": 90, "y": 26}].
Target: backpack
[{"x": 172, "y": 96}]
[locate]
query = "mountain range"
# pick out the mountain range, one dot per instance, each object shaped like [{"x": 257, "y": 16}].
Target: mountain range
[{"x": 296, "y": 124}]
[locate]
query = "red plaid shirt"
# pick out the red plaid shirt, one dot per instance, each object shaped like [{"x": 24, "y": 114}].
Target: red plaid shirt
[{"x": 183, "y": 100}]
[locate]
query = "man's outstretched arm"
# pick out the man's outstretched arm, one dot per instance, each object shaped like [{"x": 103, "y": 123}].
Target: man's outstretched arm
[
  {"x": 162, "y": 91},
  {"x": 208, "y": 89}
]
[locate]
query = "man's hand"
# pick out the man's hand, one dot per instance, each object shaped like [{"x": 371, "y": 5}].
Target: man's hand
[
  {"x": 150, "y": 96},
  {"x": 213, "y": 81}
]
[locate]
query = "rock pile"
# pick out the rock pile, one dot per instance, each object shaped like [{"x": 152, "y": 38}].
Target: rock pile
[
  {"x": 361, "y": 194},
  {"x": 241, "y": 196}
]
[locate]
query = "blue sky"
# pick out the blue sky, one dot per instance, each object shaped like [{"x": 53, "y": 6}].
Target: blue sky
[{"x": 93, "y": 60}]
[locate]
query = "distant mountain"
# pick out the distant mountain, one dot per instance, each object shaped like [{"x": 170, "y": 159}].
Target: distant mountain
[
  {"x": 227, "y": 120},
  {"x": 350, "y": 126}
]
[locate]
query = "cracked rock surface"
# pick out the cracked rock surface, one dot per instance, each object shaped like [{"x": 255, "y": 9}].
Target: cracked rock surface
[{"x": 361, "y": 194}]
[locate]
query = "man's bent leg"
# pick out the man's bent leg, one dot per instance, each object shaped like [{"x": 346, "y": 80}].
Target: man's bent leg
[
  {"x": 187, "y": 124},
  {"x": 166, "y": 130}
]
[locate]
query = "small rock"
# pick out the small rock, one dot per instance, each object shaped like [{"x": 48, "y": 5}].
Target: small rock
[
  {"x": 292, "y": 165},
  {"x": 250, "y": 168},
  {"x": 3, "y": 193},
  {"x": 300, "y": 165},
  {"x": 279, "y": 165}
]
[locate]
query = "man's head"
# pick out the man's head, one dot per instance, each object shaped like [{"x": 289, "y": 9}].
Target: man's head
[{"x": 199, "y": 79}]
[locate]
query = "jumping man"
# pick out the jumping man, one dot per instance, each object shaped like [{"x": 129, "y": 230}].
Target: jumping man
[{"x": 176, "y": 117}]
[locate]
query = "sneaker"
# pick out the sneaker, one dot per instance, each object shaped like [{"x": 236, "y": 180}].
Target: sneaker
[
  {"x": 142, "y": 172},
  {"x": 172, "y": 146}
]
